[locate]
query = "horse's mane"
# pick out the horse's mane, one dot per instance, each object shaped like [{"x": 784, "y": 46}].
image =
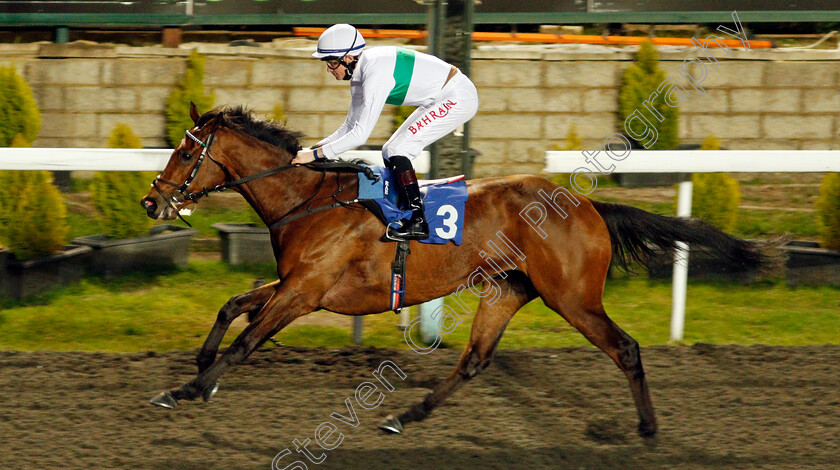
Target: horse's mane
[{"x": 241, "y": 119}]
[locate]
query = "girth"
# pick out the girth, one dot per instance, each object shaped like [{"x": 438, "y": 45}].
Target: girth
[{"x": 398, "y": 276}]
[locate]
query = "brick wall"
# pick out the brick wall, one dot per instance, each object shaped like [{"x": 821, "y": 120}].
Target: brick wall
[
  {"x": 752, "y": 100},
  {"x": 529, "y": 97}
]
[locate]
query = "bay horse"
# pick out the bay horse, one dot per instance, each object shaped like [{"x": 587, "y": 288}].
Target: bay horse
[{"x": 334, "y": 259}]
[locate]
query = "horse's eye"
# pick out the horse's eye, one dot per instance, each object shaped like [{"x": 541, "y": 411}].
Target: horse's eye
[{"x": 186, "y": 156}]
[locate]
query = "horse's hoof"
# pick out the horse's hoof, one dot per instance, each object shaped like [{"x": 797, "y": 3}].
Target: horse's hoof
[
  {"x": 210, "y": 392},
  {"x": 165, "y": 400},
  {"x": 647, "y": 430},
  {"x": 391, "y": 425}
]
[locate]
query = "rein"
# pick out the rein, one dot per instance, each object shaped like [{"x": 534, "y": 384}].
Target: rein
[{"x": 285, "y": 218}]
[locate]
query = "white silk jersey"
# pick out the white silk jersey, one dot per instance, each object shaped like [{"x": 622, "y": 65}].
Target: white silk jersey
[{"x": 385, "y": 74}]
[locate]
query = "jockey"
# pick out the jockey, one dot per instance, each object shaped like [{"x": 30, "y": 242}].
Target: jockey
[{"x": 445, "y": 99}]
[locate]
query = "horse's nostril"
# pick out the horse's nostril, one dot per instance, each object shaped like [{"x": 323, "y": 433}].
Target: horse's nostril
[{"x": 149, "y": 205}]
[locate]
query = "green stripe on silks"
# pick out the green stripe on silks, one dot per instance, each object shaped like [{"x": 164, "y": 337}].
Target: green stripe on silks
[{"x": 403, "y": 70}]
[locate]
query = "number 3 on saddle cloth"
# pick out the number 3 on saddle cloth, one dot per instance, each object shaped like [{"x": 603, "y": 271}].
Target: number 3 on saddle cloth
[{"x": 444, "y": 199}]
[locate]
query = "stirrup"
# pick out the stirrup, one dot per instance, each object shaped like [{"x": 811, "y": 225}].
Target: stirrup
[
  {"x": 388, "y": 233},
  {"x": 409, "y": 225}
]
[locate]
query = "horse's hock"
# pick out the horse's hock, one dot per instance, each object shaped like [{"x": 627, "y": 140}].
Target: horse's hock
[{"x": 530, "y": 96}]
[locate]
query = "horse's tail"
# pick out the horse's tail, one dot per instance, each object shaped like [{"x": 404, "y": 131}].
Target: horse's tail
[{"x": 637, "y": 235}]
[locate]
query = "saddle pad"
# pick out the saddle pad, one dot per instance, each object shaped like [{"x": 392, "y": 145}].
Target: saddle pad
[{"x": 444, "y": 200}]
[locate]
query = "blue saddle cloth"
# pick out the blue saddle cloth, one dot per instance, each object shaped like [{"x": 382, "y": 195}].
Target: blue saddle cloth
[{"x": 444, "y": 201}]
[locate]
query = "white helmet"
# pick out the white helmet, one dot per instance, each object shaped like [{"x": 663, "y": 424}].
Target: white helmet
[{"x": 340, "y": 40}]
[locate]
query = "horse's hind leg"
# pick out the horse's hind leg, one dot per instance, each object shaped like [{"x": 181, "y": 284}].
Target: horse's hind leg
[
  {"x": 593, "y": 322},
  {"x": 251, "y": 301},
  {"x": 487, "y": 328}
]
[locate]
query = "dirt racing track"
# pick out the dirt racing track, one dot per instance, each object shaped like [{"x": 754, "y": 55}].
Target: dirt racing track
[{"x": 718, "y": 407}]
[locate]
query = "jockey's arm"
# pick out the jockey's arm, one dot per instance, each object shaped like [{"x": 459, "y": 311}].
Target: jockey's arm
[{"x": 362, "y": 117}]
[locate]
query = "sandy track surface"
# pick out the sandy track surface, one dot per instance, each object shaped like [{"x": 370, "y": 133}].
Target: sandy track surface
[{"x": 718, "y": 407}]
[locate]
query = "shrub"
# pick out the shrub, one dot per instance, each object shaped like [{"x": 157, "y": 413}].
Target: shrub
[
  {"x": 122, "y": 137},
  {"x": 18, "y": 109},
  {"x": 715, "y": 197},
  {"x": 637, "y": 83},
  {"x": 572, "y": 142},
  {"x": 19, "y": 125},
  {"x": 33, "y": 218},
  {"x": 38, "y": 222},
  {"x": 278, "y": 113},
  {"x": 19, "y": 141},
  {"x": 191, "y": 88},
  {"x": 710, "y": 143},
  {"x": 116, "y": 194},
  {"x": 14, "y": 182},
  {"x": 400, "y": 114},
  {"x": 828, "y": 206}
]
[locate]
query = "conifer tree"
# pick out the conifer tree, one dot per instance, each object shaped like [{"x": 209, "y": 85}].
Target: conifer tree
[
  {"x": 190, "y": 88},
  {"x": 638, "y": 82}
]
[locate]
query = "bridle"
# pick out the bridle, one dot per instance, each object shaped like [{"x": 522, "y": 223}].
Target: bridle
[{"x": 183, "y": 189}]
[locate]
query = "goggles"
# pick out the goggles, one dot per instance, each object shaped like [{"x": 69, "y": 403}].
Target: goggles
[{"x": 332, "y": 63}]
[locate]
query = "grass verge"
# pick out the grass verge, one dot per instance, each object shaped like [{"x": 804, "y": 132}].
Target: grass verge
[{"x": 164, "y": 311}]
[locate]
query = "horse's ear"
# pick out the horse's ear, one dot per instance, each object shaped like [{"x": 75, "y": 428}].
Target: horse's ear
[
  {"x": 194, "y": 113},
  {"x": 213, "y": 124}
]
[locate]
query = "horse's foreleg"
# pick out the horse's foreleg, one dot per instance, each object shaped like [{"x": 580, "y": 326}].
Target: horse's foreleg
[
  {"x": 286, "y": 304},
  {"x": 237, "y": 305},
  {"x": 490, "y": 321}
]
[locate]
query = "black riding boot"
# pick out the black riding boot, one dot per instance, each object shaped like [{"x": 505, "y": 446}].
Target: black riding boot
[{"x": 415, "y": 228}]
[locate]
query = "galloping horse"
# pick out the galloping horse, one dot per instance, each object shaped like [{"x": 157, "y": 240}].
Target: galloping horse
[{"x": 334, "y": 259}]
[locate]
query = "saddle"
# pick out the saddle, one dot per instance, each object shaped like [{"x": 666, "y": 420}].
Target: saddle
[{"x": 444, "y": 199}]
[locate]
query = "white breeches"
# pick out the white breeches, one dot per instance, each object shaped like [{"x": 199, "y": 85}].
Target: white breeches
[{"x": 456, "y": 104}]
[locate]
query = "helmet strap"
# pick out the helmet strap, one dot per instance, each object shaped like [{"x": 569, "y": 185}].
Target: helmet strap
[{"x": 350, "y": 68}]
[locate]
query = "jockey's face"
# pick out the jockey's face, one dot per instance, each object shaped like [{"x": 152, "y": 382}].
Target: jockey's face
[{"x": 337, "y": 67}]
